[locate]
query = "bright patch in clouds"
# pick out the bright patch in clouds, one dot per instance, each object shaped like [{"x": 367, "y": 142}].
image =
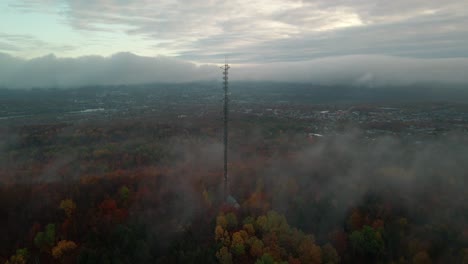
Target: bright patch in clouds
[{"x": 341, "y": 20}]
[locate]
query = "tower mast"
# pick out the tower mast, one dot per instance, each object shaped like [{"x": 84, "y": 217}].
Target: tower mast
[{"x": 226, "y": 121}]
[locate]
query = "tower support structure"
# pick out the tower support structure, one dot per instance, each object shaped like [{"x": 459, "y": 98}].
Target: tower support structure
[{"x": 225, "y": 69}]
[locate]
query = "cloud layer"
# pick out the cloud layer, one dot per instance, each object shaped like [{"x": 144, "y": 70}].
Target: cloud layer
[
  {"x": 127, "y": 68},
  {"x": 122, "y": 68},
  {"x": 267, "y": 30}
]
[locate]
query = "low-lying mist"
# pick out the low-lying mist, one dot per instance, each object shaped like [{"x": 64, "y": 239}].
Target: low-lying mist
[
  {"x": 336, "y": 174},
  {"x": 323, "y": 185}
]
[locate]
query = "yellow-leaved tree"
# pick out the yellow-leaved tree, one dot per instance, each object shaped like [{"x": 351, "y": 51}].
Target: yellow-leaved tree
[
  {"x": 62, "y": 249},
  {"x": 68, "y": 206}
]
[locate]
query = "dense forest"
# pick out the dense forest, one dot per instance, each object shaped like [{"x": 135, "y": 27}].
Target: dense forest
[
  {"x": 234, "y": 132},
  {"x": 139, "y": 191}
]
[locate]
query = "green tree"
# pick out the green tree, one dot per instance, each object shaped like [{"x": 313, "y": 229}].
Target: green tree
[
  {"x": 45, "y": 240},
  {"x": 367, "y": 242},
  {"x": 329, "y": 254},
  {"x": 231, "y": 220},
  {"x": 124, "y": 193}
]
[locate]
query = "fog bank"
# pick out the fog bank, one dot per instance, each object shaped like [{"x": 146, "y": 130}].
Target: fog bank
[{"x": 126, "y": 68}]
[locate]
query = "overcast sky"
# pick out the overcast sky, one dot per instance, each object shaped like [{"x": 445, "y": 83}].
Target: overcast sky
[{"x": 340, "y": 36}]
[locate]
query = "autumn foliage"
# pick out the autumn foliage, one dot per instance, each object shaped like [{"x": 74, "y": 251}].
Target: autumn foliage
[{"x": 141, "y": 192}]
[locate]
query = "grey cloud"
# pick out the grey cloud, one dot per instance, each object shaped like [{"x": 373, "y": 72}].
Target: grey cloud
[
  {"x": 19, "y": 42},
  {"x": 7, "y": 47},
  {"x": 362, "y": 70},
  {"x": 419, "y": 37},
  {"x": 121, "y": 68},
  {"x": 281, "y": 30},
  {"x": 127, "y": 68},
  {"x": 391, "y": 11},
  {"x": 439, "y": 35}
]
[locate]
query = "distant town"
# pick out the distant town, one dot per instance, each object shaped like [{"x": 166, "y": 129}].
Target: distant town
[{"x": 319, "y": 113}]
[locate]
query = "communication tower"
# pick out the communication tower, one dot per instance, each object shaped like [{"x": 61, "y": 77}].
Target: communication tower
[{"x": 225, "y": 69}]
